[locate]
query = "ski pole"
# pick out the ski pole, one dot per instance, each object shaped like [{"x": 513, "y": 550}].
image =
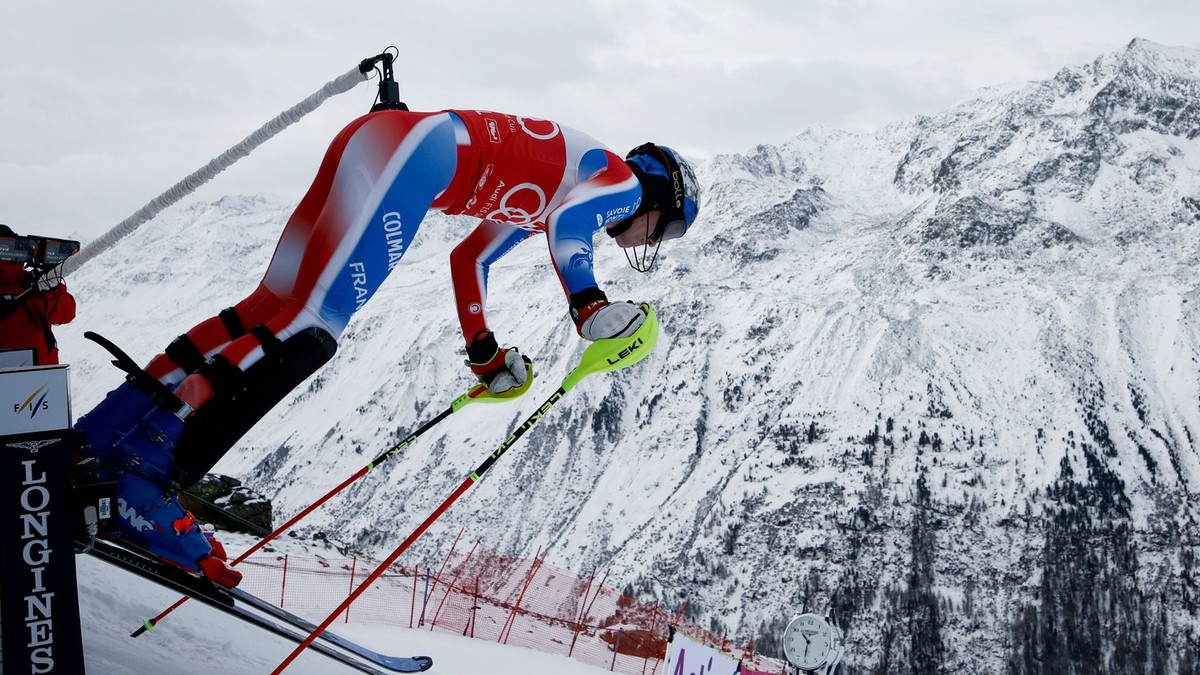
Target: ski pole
[
  {"x": 478, "y": 393},
  {"x": 600, "y": 356}
]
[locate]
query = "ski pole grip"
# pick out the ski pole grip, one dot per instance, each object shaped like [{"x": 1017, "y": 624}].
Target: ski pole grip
[{"x": 617, "y": 353}]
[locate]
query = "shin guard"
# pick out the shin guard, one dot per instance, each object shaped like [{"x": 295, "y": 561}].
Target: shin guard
[{"x": 242, "y": 400}]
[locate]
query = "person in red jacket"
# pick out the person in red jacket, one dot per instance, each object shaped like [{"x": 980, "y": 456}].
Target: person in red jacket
[{"x": 26, "y": 318}]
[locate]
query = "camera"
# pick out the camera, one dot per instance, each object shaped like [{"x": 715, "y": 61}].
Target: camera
[{"x": 33, "y": 250}]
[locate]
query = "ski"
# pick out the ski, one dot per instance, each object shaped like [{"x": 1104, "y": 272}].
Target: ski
[
  {"x": 402, "y": 664},
  {"x": 257, "y": 612}
]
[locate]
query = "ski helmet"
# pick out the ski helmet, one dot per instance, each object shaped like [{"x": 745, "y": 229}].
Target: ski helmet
[{"x": 669, "y": 186}]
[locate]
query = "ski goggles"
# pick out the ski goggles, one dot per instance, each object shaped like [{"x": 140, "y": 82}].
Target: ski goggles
[
  {"x": 673, "y": 229},
  {"x": 665, "y": 230}
]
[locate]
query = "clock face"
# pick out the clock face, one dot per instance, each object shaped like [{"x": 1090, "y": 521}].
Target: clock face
[{"x": 808, "y": 642}]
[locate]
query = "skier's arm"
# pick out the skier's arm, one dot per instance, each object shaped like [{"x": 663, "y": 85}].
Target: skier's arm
[
  {"x": 590, "y": 206},
  {"x": 470, "y": 262},
  {"x": 500, "y": 368}
]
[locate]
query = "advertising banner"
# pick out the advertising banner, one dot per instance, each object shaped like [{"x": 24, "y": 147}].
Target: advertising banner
[
  {"x": 39, "y": 605},
  {"x": 688, "y": 656},
  {"x": 33, "y": 400}
]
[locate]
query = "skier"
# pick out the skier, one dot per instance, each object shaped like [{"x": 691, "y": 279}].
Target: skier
[
  {"x": 381, "y": 175},
  {"x": 25, "y": 318}
]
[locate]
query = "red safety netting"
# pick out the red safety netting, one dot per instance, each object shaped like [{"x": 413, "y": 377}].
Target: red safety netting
[{"x": 485, "y": 594}]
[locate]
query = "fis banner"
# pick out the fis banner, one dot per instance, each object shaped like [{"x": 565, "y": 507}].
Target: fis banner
[
  {"x": 33, "y": 400},
  {"x": 688, "y": 656}
]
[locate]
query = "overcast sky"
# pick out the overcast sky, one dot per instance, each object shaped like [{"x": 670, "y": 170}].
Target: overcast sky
[{"x": 104, "y": 105}]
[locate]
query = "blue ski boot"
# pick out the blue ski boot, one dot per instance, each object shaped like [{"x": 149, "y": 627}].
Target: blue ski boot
[{"x": 141, "y": 460}]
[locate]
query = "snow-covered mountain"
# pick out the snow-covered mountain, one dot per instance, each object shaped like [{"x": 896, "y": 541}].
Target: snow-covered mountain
[{"x": 944, "y": 375}]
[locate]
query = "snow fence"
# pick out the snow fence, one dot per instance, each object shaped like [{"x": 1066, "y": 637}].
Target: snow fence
[{"x": 488, "y": 595}]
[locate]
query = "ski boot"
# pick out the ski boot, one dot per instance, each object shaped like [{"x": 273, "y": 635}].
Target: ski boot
[
  {"x": 140, "y": 442},
  {"x": 149, "y": 513}
]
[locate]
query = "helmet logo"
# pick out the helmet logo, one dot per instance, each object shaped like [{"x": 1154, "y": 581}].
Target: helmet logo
[{"x": 678, "y": 183}]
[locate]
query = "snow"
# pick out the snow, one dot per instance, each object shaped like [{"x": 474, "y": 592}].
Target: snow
[{"x": 199, "y": 640}]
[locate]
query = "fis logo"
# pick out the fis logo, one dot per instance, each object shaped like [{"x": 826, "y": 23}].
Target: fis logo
[{"x": 35, "y": 403}]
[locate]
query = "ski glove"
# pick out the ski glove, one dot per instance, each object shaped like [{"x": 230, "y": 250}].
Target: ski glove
[
  {"x": 500, "y": 368},
  {"x": 600, "y": 320}
]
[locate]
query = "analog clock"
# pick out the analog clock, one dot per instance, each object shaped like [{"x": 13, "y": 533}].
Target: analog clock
[{"x": 809, "y": 642}]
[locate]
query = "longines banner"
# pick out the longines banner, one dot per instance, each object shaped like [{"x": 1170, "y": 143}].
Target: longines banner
[
  {"x": 688, "y": 656},
  {"x": 39, "y": 602}
]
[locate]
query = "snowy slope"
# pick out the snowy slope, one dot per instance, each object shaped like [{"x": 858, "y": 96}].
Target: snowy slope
[
  {"x": 198, "y": 640},
  {"x": 944, "y": 373}
]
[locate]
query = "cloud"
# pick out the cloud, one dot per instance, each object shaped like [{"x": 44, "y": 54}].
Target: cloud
[
  {"x": 710, "y": 109},
  {"x": 104, "y": 106}
]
